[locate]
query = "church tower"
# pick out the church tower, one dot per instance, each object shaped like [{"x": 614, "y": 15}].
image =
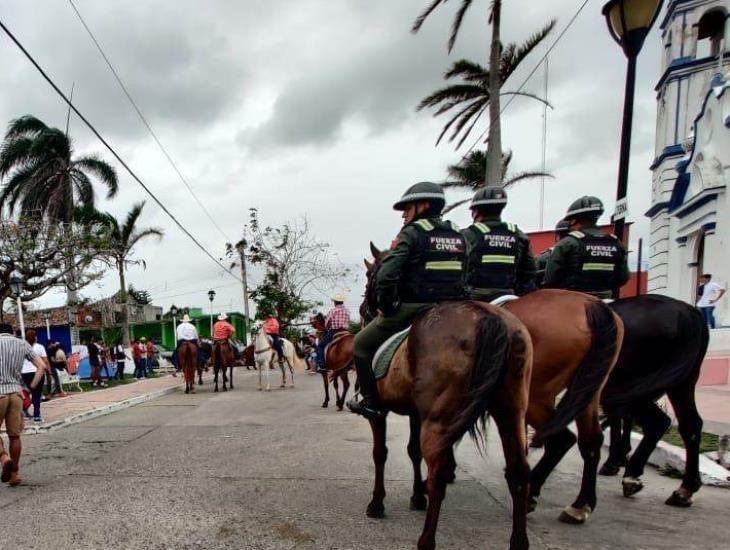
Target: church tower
[{"x": 690, "y": 169}]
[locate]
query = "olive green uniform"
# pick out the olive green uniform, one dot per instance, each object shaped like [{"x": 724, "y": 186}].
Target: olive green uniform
[
  {"x": 509, "y": 271},
  {"x": 542, "y": 262},
  {"x": 568, "y": 263}
]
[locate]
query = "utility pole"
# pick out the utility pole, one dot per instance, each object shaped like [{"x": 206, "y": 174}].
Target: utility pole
[{"x": 241, "y": 247}]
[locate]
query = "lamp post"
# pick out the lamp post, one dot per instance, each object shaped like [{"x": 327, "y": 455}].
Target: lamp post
[
  {"x": 211, "y": 297},
  {"x": 16, "y": 287},
  {"x": 629, "y": 22},
  {"x": 173, "y": 312},
  {"x": 47, "y": 317}
]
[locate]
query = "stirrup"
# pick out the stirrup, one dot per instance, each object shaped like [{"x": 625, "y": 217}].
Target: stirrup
[{"x": 366, "y": 409}]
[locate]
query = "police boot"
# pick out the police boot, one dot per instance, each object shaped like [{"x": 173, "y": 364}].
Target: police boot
[{"x": 369, "y": 405}]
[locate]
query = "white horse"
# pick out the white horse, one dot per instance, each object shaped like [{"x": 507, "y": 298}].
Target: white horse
[{"x": 265, "y": 356}]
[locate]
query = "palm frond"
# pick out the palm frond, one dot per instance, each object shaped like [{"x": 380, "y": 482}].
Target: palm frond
[
  {"x": 458, "y": 20},
  {"x": 25, "y": 126},
  {"x": 15, "y": 152},
  {"x": 421, "y": 19},
  {"x": 529, "y": 95},
  {"x": 455, "y": 118},
  {"x": 521, "y": 176},
  {"x": 130, "y": 222},
  {"x": 468, "y": 70},
  {"x": 454, "y": 205},
  {"x": 513, "y": 55},
  {"x": 149, "y": 232},
  {"x": 455, "y": 93},
  {"x": 103, "y": 171}
]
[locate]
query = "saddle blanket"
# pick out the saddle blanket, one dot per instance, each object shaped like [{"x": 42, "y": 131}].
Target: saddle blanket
[{"x": 385, "y": 353}]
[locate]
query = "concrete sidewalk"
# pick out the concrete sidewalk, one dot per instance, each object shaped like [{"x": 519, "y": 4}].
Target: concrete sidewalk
[
  {"x": 77, "y": 407},
  {"x": 713, "y": 403}
]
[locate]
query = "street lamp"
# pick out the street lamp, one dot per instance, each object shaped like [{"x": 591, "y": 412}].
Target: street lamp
[
  {"x": 629, "y": 22},
  {"x": 47, "y": 317},
  {"x": 173, "y": 312},
  {"x": 16, "y": 287},
  {"x": 211, "y": 297}
]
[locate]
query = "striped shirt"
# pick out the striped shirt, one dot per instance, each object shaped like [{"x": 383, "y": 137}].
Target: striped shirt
[{"x": 12, "y": 353}]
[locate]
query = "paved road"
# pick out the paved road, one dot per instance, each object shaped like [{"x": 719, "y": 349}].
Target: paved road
[{"x": 249, "y": 470}]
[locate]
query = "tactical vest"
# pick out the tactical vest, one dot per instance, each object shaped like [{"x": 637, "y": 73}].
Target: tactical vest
[
  {"x": 439, "y": 273},
  {"x": 493, "y": 262},
  {"x": 596, "y": 267}
]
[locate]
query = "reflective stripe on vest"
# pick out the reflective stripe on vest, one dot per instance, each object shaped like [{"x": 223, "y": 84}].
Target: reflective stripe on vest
[
  {"x": 598, "y": 267},
  {"x": 498, "y": 259},
  {"x": 444, "y": 266},
  {"x": 577, "y": 234},
  {"x": 482, "y": 227},
  {"x": 425, "y": 225}
]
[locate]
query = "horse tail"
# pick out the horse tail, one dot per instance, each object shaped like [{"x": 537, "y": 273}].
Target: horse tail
[
  {"x": 592, "y": 372},
  {"x": 492, "y": 350},
  {"x": 694, "y": 337}
]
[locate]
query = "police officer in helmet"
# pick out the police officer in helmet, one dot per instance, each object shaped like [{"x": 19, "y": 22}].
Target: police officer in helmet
[
  {"x": 587, "y": 260},
  {"x": 562, "y": 228},
  {"x": 499, "y": 259},
  {"x": 423, "y": 267}
]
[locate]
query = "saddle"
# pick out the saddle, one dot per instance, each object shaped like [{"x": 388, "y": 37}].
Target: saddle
[
  {"x": 384, "y": 355},
  {"x": 339, "y": 335}
]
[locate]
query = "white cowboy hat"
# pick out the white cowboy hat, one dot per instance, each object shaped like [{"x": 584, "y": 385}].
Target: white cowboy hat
[
  {"x": 222, "y": 317},
  {"x": 186, "y": 318},
  {"x": 339, "y": 297}
]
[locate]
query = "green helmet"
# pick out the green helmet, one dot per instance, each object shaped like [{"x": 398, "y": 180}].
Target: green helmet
[
  {"x": 424, "y": 191},
  {"x": 585, "y": 206},
  {"x": 563, "y": 226},
  {"x": 493, "y": 194}
]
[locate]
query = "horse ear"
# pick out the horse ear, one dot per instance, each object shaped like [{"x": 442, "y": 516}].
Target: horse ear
[
  {"x": 374, "y": 251},
  {"x": 368, "y": 265}
]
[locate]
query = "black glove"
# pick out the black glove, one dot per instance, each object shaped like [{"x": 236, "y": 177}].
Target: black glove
[{"x": 388, "y": 304}]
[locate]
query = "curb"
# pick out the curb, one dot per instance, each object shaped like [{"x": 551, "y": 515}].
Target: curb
[
  {"x": 99, "y": 411},
  {"x": 670, "y": 455}
]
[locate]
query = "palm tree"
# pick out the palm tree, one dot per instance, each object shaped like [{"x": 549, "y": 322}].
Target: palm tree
[
  {"x": 491, "y": 85},
  {"x": 470, "y": 174},
  {"x": 43, "y": 177},
  {"x": 121, "y": 239}
]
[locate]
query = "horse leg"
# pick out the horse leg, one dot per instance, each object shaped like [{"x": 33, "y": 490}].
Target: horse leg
[
  {"x": 200, "y": 376},
  {"x": 590, "y": 440},
  {"x": 513, "y": 434},
  {"x": 215, "y": 376},
  {"x": 291, "y": 369},
  {"x": 260, "y": 374},
  {"x": 556, "y": 446},
  {"x": 283, "y": 374},
  {"x": 267, "y": 368},
  {"x": 326, "y": 391},
  {"x": 230, "y": 378},
  {"x": 380, "y": 454},
  {"x": 616, "y": 455},
  {"x": 336, "y": 384},
  {"x": 345, "y": 387},
  {"x": 418, "y": 500},
  {"x": 654, "y": 424},
  {"x": 437, "y": 460},
  {"x": 690, "y": 428}
]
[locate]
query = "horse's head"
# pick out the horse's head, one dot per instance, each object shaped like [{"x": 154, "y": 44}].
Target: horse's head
[
  {"x": 369, "y": 306},
  {"x": 256, "y": 328}
]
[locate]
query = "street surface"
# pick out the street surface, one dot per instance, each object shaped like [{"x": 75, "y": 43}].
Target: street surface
[{"x": 245, "y": 469}]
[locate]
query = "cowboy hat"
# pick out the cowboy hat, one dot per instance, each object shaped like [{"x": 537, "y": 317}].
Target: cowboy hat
[
  {"x": 222, "y": 317},
  {"x": 186, "y": 318},
  {"x": 143, "y": 339},
  {"x": 339, "y": 297}
]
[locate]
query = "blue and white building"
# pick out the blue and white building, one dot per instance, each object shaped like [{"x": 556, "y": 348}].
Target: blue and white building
[{"x": 690, "y": 213}]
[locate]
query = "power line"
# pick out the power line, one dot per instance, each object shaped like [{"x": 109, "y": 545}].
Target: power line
[
  {"x": 146, "y": 123},
  {"x": 113, "y": 151},
  {"x": 529, "y": 76}
]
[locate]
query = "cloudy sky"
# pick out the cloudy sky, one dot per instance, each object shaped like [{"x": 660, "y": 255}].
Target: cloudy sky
[{"x": 308, "y": 108}]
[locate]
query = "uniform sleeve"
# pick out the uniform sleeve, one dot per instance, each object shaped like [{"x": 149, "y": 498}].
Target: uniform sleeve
[
  {"x": 557, "y": 265},
  {"x": 391, "y": 270},
  {"x": 527, "y": 269},
  {"x": 624, "y": 273}
]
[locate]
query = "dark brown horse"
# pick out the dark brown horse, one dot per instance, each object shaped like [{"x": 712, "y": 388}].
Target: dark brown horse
[
  {"x": 461, "y": 362},
  {"x": 339, "y": 362},
  {"x": 223, "y": 358},
  {"x": 187, "y": 357}
]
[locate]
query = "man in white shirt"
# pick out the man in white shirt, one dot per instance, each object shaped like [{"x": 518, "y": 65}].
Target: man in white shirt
[
  {"x": 29, "y": 370},
  {"x": 711, "y": 294},
  {"x": 186, "y": 332}
]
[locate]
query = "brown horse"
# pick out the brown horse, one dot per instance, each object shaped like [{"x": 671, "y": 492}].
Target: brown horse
[
  {"x": 339, "y": 361},
  {"x": 187, "y": 357},
  {"x": 576, "y": 341},
  {"x": 223, "y": 358}
]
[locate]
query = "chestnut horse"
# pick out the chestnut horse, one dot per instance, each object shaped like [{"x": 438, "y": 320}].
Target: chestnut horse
[
  {"x": 187, "y": 357},
  {"x": 665, "y": 345},
  {"x": 339, "y": 362},
  {"x": 223, "y": 358}
]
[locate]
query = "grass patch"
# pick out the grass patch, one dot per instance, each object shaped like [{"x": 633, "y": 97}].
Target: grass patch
[{"x": 708, "y": 443}]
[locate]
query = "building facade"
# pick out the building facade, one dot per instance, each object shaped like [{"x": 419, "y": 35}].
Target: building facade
[{"x": 690, "y": 214}]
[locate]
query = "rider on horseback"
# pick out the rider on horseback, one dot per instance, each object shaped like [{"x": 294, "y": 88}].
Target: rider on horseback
[
  {"x": 587, "y": 260},
  {"x": 223, "y": 331},
  {"x": 185, "y": 332},
  {"x": 271, "y": 328},
  {"x": 337, "y": 320},
  {"x": 424, "y": 266},
  {"x": 561, "y": 230},
  {"x": 499, "y": 259}
]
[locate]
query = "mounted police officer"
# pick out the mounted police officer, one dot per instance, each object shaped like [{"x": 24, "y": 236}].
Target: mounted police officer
[
  {"x": 587, "y": 260},
  {"x": 561, "y": 230},
  {"x": 423, "y": 267},
  {"x": 499, "y": 259}
]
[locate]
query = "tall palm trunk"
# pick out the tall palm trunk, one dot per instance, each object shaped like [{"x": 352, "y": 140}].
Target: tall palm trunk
[
  {"x": 494, "y": 147},
  {"x": 123, "y": 301}
]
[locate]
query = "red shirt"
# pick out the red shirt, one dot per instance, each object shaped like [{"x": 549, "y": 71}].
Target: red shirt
[
  {"x": 223, "y": 330},
  {"x": 338, "y": 318},
  {"x": 271, "y": 326},
  {"x": 136, "y": 351}
]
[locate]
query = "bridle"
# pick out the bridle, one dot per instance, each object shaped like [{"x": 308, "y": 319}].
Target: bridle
[{"x": 255, "y": 331}]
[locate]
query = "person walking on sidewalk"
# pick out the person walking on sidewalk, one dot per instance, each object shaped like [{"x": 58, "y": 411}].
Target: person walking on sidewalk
[
  {"x": 120, "y": 357},
  {"x": 711, "y": 294},
  {"x": 13, "y": 353},
  {"x": 143, "y": 357},
  {"x": 95, "y": 362},
  {"x": 57, "y": 361},
  {"x": 137, "y": 358},
  {"x": 29, "y": 370}
]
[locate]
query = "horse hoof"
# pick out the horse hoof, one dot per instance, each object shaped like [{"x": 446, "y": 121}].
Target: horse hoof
[
  {"x": 609, "y": 470},
  {"x": 187, "y": 390},
  {"x": 631, "y": 486},
  {"x": 192, "y": 390},
  {"x": 531, "y": 504},
  {"x": 419, "y": 503},
  {"x": 679, "y": 500},
  {"x": 324, "y": 405},
  {"x": 575, "y": 516},
  {"x": 340, "y": 408},
  {"x": 375, "y": 510},
  {"x": 260, "y": 389},
  {"x": 450, "y": 478}
]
